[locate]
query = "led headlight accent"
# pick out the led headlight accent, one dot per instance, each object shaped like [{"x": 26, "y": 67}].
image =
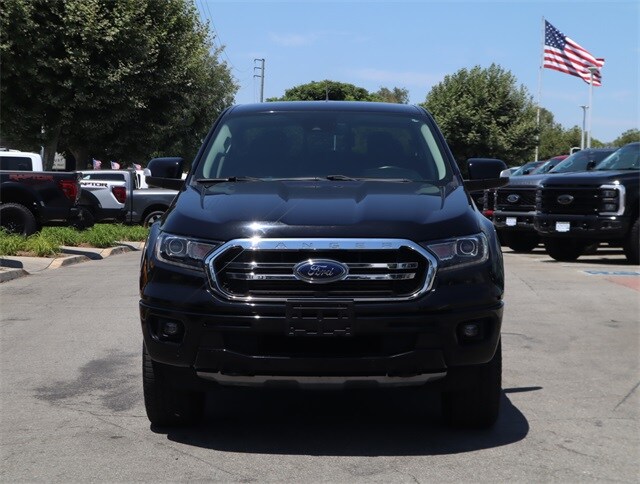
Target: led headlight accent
[
  {"x": 459, "y": 252},
  {"x": 183, "y": 251}
]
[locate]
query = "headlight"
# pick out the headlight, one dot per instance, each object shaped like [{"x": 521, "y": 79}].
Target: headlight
[
  {"x": 183, "y": 251},
  {"x": 459, "y": 252}
]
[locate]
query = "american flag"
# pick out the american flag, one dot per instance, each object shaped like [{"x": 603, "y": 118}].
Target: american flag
[
  {"x": 564, "y": 55},
  {"x": 115, "y": 166},
  {"x": 97, "y": 164}
]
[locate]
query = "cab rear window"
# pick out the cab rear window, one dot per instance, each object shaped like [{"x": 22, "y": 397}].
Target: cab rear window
[{"x": 16, "y": 163}]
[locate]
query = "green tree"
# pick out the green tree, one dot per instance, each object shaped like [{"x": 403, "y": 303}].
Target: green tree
[
  {"x": 396, "y": 95},
  {"x": 120, "y": 79},
  {"x": 629, "y": 136},
  {"x": 482, "y": 112},
  {"x": 321, "y": 90},
  {"x": 552, "y": 136}
]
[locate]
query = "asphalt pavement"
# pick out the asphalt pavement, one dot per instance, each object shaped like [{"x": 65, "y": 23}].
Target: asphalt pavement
[{"x": 71, "y": 407}]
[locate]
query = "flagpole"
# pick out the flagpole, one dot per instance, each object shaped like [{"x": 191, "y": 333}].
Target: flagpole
[
  {"x": 539, "y": 91},
  {"x": 592, "y": 69}
]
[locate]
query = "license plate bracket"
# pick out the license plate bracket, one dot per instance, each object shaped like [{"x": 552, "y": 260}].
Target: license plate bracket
[{"x": 317, "y": 319}]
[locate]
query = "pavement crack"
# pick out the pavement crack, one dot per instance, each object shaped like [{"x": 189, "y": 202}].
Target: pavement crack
[
  {"x": 573, "y": 451},
  {"x": 627, "y": 396}
]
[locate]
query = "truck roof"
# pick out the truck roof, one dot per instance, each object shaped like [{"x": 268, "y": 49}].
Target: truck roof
[{"x": 327, "y": 106}]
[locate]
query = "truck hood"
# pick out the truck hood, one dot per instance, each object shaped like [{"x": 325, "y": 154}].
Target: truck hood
[
  {"x": 326, "y": 209},
  {"x": 524, "y": 181},
  {"x": 592, "y": 178}
]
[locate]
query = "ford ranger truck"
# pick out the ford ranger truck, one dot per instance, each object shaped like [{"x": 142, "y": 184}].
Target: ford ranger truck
[
  {"x": 575, "y": 211},
  {"x": 323, "y": 244}
]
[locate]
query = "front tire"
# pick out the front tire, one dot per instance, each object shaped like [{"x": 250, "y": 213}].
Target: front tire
[
  {"x": 479, "y": 405},
  {"x": 152, "y": 217},
  {"x": 85, "y": 220},
  {"x": 522, "y": 242},
  {"x": 166, "y": 405},
  {"x": 15, "y": 218},
  {"x": 631, "y": 244},
  {"x": 564, "y": 250}
]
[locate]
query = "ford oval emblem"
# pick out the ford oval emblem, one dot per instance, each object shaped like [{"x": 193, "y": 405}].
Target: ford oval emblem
[
  {"x": 565, "y": 199},
  {"x": 320, "y": 271},
  {"x": 513, "y": 198}
]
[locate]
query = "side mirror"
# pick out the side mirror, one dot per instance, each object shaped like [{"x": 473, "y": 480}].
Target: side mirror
[
  {"x": 506, "y": 173},
  {"x": 485, "y": 173},
  {"x": 165, "y": 172}
]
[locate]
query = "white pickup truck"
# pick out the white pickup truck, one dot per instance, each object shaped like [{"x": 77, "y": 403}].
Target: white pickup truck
[{"x": 117, "y": 195}]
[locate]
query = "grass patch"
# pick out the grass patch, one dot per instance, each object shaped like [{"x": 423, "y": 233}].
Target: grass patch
[
  {"x": 11, "y": 244},
  {"x": 47, "y": 243}
]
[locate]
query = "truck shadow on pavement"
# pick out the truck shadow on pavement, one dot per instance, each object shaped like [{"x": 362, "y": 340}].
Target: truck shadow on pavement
[{"x": 349, "y": 423}]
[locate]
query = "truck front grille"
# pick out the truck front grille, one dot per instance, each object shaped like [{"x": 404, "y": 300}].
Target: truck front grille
[
  {"x": 375, "y": 269},
  {"x": 568, "y": 200},
  {"x": 515, "y": 199}
]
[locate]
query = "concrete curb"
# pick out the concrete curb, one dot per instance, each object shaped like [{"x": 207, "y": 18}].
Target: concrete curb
[{"x": 13, "y": 267}]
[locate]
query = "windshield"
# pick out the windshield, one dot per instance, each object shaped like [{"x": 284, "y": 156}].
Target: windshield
[
  {"x": 318, "y": 144},
  {"x": 579, "y": 161},
  {"x": 527, "y": 168},
  {"x": 544, "y": 168},
  {"x": 626, "y": 158}
]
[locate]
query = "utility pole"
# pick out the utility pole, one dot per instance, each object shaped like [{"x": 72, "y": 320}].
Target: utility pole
[{"x": 260, "y": 69}]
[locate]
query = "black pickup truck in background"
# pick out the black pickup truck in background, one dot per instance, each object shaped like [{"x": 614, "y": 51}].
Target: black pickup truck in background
[
  {"x": 515, "y": 205},
  {"x": 577, "y": 210},
  {"x": 30, "y": 200}
]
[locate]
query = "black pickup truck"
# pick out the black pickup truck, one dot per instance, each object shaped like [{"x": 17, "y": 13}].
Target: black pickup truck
[
  {"x": 575, "y": 211},
  {"x": 515, "y": 204},
  {"x": 323, "y": 244},
  {"x": 32, "y": 199}
]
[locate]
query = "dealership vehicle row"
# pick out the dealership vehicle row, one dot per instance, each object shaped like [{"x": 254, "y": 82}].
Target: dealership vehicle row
[{"x": 592, "y": 197}]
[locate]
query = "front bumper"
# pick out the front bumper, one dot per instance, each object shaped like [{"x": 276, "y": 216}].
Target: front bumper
[
  {"x": 582, "y": 226},
  {"x": 388, "y": 344},
  {"x": 514, "y": 221}
]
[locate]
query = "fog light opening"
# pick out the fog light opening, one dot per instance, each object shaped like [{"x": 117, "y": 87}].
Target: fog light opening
[
  {"x": 170, "y": 330},
  {"x": 471, "y": 331}
]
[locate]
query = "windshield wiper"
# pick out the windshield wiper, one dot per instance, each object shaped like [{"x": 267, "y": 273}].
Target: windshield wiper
[
  {"x": 232, "y": 179},
  {"x": 340, "y": 178},
  {"x": 348, "y": 178}
]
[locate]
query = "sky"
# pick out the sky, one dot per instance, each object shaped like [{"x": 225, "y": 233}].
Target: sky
[{"x": 415, "y": 44}]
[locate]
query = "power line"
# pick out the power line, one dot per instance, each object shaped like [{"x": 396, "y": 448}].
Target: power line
[{"x": 216, "y": 34}]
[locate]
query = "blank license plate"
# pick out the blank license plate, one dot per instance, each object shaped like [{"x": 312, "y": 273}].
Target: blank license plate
[
  {"x": 321, "y": 319},
  {"x": 512, "y": 221},
  {"x": 563, "y": 226}
]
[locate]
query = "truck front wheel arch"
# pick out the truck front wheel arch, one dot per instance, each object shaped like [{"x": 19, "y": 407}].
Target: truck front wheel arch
[{"x": 15, "y": 218}]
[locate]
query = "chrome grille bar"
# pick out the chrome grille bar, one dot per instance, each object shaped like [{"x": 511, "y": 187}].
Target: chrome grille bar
[
  {"x": 352, "y": 265},
  {"x": 251, "y": 276}
]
